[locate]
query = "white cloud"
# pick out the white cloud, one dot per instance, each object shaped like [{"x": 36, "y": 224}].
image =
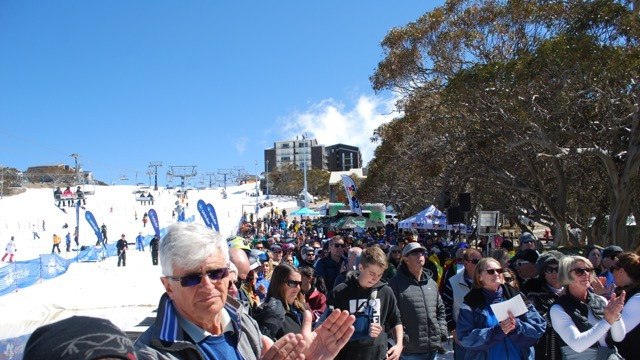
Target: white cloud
[
  {"x": 241, "y": 144},
  {"x": 331, "y": 122}
]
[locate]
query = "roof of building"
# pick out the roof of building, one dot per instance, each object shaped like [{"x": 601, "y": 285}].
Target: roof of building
[{"x": 336, "y": 176}]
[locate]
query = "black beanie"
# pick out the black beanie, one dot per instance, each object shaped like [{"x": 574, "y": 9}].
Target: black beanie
[
  {"x": 551, "y": 257},
  {"x": 79, "y": 338}
]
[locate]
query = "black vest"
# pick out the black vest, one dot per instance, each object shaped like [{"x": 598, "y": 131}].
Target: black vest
[
  {"x": 629, "y": 347},
  {"x": 579, "y": 311}
]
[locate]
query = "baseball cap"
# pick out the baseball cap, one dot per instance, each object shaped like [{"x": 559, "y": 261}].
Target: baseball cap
[
  {"x": 611, "y": 250},
  {"x": 411, "y": 247},
  {"x": 82, "y": 333}
]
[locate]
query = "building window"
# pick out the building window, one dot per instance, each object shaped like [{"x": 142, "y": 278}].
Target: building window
[
  {"x": 285, "y": 146},
  {"x": 285, "y": 158}
]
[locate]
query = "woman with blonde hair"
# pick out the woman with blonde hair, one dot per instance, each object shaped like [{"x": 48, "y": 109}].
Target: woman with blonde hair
[
  {"x": 478, "y": 330},
  {"x": 582, "y": 319}
]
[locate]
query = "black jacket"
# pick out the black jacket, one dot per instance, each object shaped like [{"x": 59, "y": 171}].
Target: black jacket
[
  {"x": 422, "y": 311},
  {"x": 542, "y": 297},
  {"x": 275, "y": 321},
  {"x": 350, "y": 296}
]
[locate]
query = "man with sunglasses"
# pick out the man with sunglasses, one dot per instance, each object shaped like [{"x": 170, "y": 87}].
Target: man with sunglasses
[
  {"x": 421, "y": 307},
  {"x": 454, "y": 292},
  {"x": 197, "y": 320},
  {"x": 328, "y": 268}
]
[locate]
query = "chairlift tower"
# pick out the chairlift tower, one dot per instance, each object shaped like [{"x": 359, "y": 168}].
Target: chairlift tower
[
  {"x": 227, "y": 174},
  {"x": 212, "y": 178},
  {"x": 185, "y": 173},
  {"x": 155, "y": 165}
]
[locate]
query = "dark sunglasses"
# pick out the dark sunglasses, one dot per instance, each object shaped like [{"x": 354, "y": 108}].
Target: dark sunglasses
[
  {"x": 195, "y": 279},
  {"x": 582, "y": 271},
  {"x": 473, "y": 261},
  {"x": 418, "y": 253},
  {"x": 293, "y": 283},
  {"x": 339, "y": 245},
  {"x": 311, "y": 254},
  {"x": 493, "y": 271},
  {"x": 550, "y": 270}
]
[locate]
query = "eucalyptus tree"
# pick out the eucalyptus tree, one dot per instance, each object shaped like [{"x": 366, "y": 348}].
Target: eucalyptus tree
[{"x": 524, "y": 95}]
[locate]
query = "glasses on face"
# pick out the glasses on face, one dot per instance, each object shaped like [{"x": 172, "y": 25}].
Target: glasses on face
[
  {"x": 615, "y": 267},
  {"x": 494, "y": 271},
  {"x": 339, "y": 245},
  {"x": 260, "y": 247},
  {"x": 311, "y": 254},
  {"x": 474, "y": 261},
  {"x": 195, "y": 279},
  {"x": 582, "y": 271},
  {"x": 293, "y": 283},
  {"x": 521, "y": 263},
  {"x": 550, "y": 270}
]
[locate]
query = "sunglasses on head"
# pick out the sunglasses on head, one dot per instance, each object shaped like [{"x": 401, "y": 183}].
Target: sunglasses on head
[
  {"x": 293, "y": 283},
  {"x": 195, "y": 279},
  {"x": 582, "y": 271},
  {"x": 494, "y": 271},
  {"x": 550, "y": 270}
]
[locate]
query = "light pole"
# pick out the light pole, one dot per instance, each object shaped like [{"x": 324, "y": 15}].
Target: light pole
[
  {"x": 2, "y": 182},
  {"x": 257, "y": 189},
  {"x": 75, "y": 157},
  {"x": 304, "y": 166},
  {"x": 267, "y": 176}
]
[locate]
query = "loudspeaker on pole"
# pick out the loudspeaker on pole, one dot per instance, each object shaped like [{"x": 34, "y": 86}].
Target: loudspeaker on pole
[{"x": 464, "y": 200}]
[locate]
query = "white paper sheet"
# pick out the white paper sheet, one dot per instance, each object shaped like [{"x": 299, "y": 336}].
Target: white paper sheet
[{"x": 515, "y": 305}]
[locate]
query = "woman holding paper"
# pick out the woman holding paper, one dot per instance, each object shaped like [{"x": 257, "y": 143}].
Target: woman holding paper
[
  {"x": 480, "y": 330},
  {"x": 583, "y": 319}
]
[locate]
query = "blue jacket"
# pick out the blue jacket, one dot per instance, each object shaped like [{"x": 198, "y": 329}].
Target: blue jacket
[{"x": 480, "y": 334}]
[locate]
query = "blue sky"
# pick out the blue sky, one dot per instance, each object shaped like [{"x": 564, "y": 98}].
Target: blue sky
[{"x": 125, "y": 83}]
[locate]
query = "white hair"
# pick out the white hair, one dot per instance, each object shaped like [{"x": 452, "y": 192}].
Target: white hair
[{"x": 187, "y": 245}]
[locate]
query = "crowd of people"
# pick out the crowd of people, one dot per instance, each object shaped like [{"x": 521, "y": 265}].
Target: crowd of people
[{"x": 290, "y": 291}]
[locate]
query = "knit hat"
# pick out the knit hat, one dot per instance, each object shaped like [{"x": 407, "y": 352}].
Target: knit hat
[
  {"x": 507, "y": 245},
  {"x": 529, "y": 255},
  {"x": 527, "y": 236},
  {"x": 81, "y": 338},
  {"x": 548, "y": 258}
]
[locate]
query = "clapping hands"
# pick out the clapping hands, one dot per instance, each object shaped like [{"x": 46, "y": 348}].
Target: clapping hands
[{"x": 614, "y": 307}]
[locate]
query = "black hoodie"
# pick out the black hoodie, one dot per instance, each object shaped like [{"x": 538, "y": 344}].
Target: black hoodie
[{"x": 350, "y": 296}]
